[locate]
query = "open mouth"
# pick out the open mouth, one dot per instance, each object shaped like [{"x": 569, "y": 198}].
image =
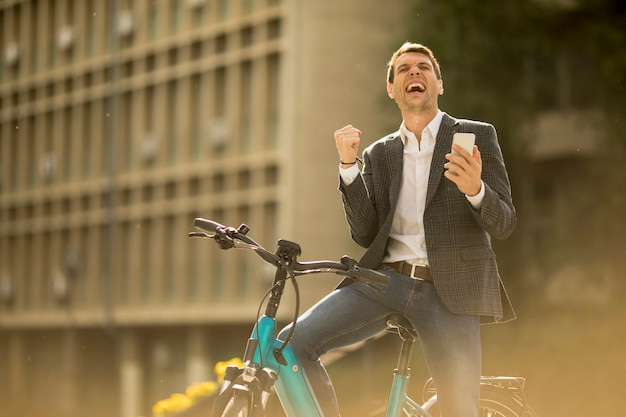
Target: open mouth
[{"x": 417, "y": 86}]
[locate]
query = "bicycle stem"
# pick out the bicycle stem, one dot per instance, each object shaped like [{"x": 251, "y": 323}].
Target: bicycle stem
[{"x": 288, "y": 252}]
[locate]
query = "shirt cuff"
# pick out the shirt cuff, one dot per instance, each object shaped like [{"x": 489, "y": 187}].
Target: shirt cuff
[
  {"x": 348, "y": 174},
  {"x": 477, "y": 200}
]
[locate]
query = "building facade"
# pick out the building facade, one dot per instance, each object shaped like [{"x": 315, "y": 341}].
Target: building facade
[{"x": 121, "y": 121}]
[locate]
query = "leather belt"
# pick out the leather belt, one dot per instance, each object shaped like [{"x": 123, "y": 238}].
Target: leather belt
[{"x": 412, "y": 271}]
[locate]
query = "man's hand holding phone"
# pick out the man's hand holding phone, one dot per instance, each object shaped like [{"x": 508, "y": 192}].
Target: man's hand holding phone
[{"x": 464, "y": 164}]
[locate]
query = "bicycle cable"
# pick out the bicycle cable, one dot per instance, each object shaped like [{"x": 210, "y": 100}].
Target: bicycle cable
[
  {"x": 292, "y": 277},
  {"x": 238, "y": 244}
]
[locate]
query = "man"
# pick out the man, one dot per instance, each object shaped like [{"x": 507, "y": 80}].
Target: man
[{"x": 426, "y": 212}]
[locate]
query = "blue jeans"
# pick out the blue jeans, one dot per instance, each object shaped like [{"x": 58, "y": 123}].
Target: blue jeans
[{"x": 451, "y": 343}]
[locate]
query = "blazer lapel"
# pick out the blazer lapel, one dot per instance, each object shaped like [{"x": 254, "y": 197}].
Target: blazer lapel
[
  {"x": 395, "y": 151},
  {"x": 443, "y": 144}
]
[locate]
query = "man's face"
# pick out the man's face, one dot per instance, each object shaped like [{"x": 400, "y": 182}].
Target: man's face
[{"x": 415, "y": 87}]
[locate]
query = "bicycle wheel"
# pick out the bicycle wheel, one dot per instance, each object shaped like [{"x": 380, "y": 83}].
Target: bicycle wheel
[
  {"x": 498, "y": 402},
  {"x": 238, "y": 406}
]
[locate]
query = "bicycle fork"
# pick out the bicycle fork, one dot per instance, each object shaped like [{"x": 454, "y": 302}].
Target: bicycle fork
[{"x": 251, "y": 382}]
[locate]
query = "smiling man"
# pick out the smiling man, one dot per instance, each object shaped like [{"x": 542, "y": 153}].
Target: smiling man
[{"x": 426, "y": 216}]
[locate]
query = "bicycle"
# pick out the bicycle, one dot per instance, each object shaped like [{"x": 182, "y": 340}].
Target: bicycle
[{"x": 271, "y": 365}]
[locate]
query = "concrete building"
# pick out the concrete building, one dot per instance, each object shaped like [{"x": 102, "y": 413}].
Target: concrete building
[{"x": 121, "y": 121}]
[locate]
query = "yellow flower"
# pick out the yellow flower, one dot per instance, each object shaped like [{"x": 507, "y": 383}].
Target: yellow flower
[
  {"x": 201, "y": 389},
  {"x": 178, "y": 402},
  {"x": 220, "y": 367},
  {"x": 175, "y": 403}
]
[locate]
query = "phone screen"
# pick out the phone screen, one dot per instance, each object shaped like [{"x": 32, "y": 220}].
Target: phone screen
[{"x": 465, "y": 141}]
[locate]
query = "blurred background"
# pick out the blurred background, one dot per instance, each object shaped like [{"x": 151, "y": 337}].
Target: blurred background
[{"x": 122, "y": 120}]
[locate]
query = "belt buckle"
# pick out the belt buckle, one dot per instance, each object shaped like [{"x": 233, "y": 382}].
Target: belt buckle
[{"x": 413, "y": 267}]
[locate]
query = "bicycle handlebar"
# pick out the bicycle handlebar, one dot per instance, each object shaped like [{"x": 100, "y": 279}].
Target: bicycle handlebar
[
  {"x": 226, "y": 238},
  {"x": 206, "y": 225}
]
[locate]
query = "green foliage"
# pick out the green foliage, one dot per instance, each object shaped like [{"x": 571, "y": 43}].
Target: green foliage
[{"x": 507, "y": 61}]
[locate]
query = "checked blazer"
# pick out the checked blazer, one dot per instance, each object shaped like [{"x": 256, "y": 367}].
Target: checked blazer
[{"x": 458, "y": 237}]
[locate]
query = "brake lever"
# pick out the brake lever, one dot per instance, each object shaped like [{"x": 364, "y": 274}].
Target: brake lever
[
  {"x": 200, "y": 234},
  {"x": 224, "y": 241},
  {"x": 355, "y": 275}
]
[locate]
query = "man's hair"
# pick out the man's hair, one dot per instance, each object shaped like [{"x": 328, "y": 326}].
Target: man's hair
[{"x": 411, "y": 47}]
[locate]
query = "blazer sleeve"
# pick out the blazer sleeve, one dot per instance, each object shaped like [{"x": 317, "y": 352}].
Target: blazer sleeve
[
  {"x": 497, "y": 214},
  {"x": 359, "y": 207}
]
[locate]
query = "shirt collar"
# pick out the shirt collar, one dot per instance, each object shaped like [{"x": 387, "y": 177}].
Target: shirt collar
[{"x": 433, "y": 127}]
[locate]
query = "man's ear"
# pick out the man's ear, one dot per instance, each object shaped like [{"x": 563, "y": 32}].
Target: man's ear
[
  {"x": 390, "y": 90},
  {"x": 440, "y": 87}
]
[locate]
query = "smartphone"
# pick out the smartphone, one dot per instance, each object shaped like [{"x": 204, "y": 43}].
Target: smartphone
[{"x": 465, "y": 141}]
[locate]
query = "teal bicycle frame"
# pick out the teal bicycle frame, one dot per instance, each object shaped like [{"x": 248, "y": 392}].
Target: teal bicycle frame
[
  {"x": 292, "y": 386},
  {"x": 295, "y": 392}
]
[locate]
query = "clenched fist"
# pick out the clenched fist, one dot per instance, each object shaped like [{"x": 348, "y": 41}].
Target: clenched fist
[{"x": 347, "y": 140}]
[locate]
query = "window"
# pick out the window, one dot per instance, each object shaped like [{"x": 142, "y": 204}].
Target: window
[
  {"x": 172, "y": 115},
  {"x": 175, "y": 16},
  {"x": 145, "y": 244},
  {"x": 27, "y": 280},
  {"x": 247, "y": 36},
  {"x": 31, "y": 169},
  {"x": 12, "y": 142},
  {"x": 223, "y": 9},
  {"x": 218, "y": 133},
  {"x": 168, "y": 258},
  {"x": 90, "y": 28},
  {"x": 195, "y": 116},
  {"x": 51, "y": 33},
  {"x": 272, "y": 99},
  {"x": 124, "y": 138},
  {"x": 246, "y": 90},
  {"x": 274, "y": 29},
  {"x": 66, "y": 140},
  {"x": 153, "y": 19},
  {"x": 85, "y": 137}
]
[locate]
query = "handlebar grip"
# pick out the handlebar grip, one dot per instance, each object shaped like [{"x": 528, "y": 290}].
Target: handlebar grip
[
  {"x": 373, "y": 276},
  {"x": 206, "y": 225},
  {"x": 365, "y": 273}
]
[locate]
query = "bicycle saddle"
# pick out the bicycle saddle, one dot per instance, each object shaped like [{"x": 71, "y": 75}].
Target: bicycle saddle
[{"x": 400, "y": 324}]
